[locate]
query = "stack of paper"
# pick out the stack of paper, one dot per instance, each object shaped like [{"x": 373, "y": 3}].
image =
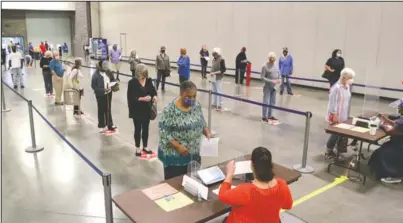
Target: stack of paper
[
  {"x": 344, "y": 126},
  {"x": 159, "y": 191},
  {"x": 243, "y": 167},
  {"x": 359, "y": 129},
  {"x": 176, "y": 201},
  {"x": 209, "y": 147}
]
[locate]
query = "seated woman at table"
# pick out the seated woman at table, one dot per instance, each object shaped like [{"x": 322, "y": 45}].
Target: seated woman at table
[
  {"x": 261, "y": 200},
  {"x": 181, "y": 127},
  {"x": 387, "y": 161}
]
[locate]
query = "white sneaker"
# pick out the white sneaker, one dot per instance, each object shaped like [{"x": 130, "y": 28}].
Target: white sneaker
[
  {"x": 391, "y": 180},
  {"x": 102, "y": 130}
]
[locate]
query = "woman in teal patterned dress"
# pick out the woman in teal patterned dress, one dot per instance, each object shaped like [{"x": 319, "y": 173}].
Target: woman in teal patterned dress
[{"x": 181, "y": 127}]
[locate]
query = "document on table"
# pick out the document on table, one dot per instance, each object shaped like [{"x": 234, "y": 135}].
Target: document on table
[
  {"x": 159, "y": 191},
  {"x": 242, "y": 167},
  {"x": 209, "y": 147},
  {"x": 359, "y": 129},
  {"x": 173, "y": 202},
  {"x": 344, "y": 126},
  {"x": 218, "y": 189}
]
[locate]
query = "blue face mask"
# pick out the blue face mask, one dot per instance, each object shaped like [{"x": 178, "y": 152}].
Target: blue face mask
[{"x": 189, "y": 102}]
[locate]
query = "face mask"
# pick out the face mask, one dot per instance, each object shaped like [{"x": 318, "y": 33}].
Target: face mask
[
  {"x": 162, "y": 51},
  {"x": 338, "y": 55},
  {"x": 189, "y": 102},
  {"x": 350, "y": 81},
  {"x": 285, "y": 53}
]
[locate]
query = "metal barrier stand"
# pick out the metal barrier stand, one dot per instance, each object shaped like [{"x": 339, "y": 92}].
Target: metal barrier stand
[
  {"x": 34, "y": 147},
  {"x": 3, "y": 100},
  {"x": 107, "y": 182},
  {"x": 303, "y": 168},
  {"x": 213, "y": 133}
]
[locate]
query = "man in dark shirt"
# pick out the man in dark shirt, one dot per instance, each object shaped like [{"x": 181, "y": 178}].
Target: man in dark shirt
[
  {"x": 240, "y": 66},
  {"x": 46, "y": 45},
  {"x": 47, "y": 75}
]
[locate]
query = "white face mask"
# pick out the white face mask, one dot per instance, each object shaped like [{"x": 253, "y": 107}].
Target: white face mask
[
  {"x": 338, "y": 55},
  {"x": 350, "y": 81}
]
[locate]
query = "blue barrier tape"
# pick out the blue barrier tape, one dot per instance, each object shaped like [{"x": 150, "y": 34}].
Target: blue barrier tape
[
  {"x": 300, "y": 78},
  {"x": 95, "y": 168},
  {"x": 22, "y": 97},
  {"x": 261, "y": 104}
]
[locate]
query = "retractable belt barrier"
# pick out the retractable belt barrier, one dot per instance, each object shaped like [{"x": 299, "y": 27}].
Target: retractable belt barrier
[{"x": 106, "y": 177}]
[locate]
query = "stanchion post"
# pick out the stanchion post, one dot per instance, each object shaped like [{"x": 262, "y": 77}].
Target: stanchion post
[
  {"x": 209, "y": 114},
  {"x": 34, "y": 147},
  {"x": 303, "y": 168},
  {"x": 3, "y": 102},
  {"x": 107, "y": 184},
  {"x": 248, "y": 70},
  {"x": 238, "y": 85}
]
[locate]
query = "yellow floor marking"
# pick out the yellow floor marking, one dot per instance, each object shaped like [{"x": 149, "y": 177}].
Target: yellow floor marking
[{"x": 315, "y": 193}]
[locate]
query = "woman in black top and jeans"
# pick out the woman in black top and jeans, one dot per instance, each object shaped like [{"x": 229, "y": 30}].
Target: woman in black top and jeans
[{"x": 141, "y": 94}]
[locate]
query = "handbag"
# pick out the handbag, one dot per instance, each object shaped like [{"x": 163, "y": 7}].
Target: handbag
[
  {"x": 326, "y": 74},
  {"x": 115, "y": 87},
  {"x": 167, "y": 73},
  {"x": 154, "y": 112}
]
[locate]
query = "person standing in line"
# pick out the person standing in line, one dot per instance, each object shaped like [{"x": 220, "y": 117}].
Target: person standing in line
[
  {"x": 47, "y": 45},
  {"x": 76, "y": 77},
  {"x": 240, "y": 66},
  {"x": 333, "y": 67},
  {"x": 15, "y": 61},
  {"x": 3, "y": 59},
  {"x": 141, "y": 94},
  {"x": 183, "y": 66},
  {"x": 270, "y": 77},
  {"x": 204, "y": 54},
  {"x": 163, "y": 66},
  {"x": 181, "y": 126},
  {"x": 116, "y": 56},
  {"x": 217, "y": 74},
  {"x": 43, "y": 48},
  {"x": 31, "y": 53},
  {"x": 57, "y": 70},
  {"x": 65, "y": 50},
  {"x": 134, "y": 60},
  {"x": 339, "y": 103},
  {"x": 47, "y": 75},
  {"x": 101, "y": 84},
  {"x": 286, "y": 66}
]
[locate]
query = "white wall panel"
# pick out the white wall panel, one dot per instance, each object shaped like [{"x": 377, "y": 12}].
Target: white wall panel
[{"x": 370, "y": 34}]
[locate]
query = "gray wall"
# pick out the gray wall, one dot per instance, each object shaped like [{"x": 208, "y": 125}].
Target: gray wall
[
  {"x": 13, "y": 24},
  {"x": 82, "y": 27},
  {"x": 370, "y": 34},
  {"x": 95, "y": 25},
  {"x": 55, "y": 27}
]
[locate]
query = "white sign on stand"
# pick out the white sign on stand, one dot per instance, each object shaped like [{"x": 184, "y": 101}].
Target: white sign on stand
[{"x": 201, "y": 189}]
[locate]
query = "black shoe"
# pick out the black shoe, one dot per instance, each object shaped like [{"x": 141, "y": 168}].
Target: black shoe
[
  {"x": 281, "y": 93},
  {"x": 22, "y": 86},
  {"x": 15, "y": 86},
  {"x": 112, "y": 128},
  {"x": 330, "y": 155},
  {"x": 273, "y": 118},
  {"x": 291, "y": 94},
  {"x": 58, "y": 103},
  {"x": 265, "y": 120},
  {"x": 138, "y": 153},
  {"x": 147, "y": 151}
]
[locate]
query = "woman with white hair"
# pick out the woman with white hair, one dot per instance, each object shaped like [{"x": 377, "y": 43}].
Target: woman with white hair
[
  {"x": 141, "y": 94},
  {"x": 47, "y": 75},
  {"x": 270, "y": 76},
  {"x": 339, "y": 103},
  {"x": 133, "y": 61}
]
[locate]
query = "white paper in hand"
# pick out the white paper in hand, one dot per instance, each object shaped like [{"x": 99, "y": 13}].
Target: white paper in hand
[
  {"x": 207, "y": 58},
  {"x": 111, "y": 84},
  {"x": 242, "y": 167},
  {"x": 209, "y": 147}
]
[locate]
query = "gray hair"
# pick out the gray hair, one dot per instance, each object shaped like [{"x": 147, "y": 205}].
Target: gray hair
[
  {"x": 48, "y": 53},
  {"x": 347, "y": 72},
  {"x": 133, "y": 52},
  {"x": 141, "y": 71},
  {"x": 186, "y": 86},
  {"x": 217, "y": 50}
]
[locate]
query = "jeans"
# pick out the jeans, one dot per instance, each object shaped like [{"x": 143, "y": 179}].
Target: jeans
[
  {"x": 204, "y": 70},
  {"x": 47, "y": 78},
  {"x": 161, "y": 77},
  {"x": 104, "y": 110},
  {"x": 269, "y": 98},
  {"x": 217, "y": 88},
  {"x": 288, "y": 84},
  {"x": 17, "y": 76},
  {"x": 241, "y": 73},
  {"x": 332, "y": 141},
  {"x": 141, "y": 131}
]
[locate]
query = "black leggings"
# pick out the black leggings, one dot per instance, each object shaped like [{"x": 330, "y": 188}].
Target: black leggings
[
  {"x": 141, "y": 131},
  {"x": 104, "y": 111}
]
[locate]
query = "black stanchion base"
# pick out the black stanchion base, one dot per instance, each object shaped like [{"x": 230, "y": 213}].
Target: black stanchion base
[
  {"x": 31, "y": 149},
  {"x": 306, "y": 169}
]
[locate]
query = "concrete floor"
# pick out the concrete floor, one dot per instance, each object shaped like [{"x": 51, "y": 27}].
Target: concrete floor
[{"x": 56, "y": 185}]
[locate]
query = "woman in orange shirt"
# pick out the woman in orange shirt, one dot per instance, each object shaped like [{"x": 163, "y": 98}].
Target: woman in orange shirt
[{"x": 261, "y": 200}]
